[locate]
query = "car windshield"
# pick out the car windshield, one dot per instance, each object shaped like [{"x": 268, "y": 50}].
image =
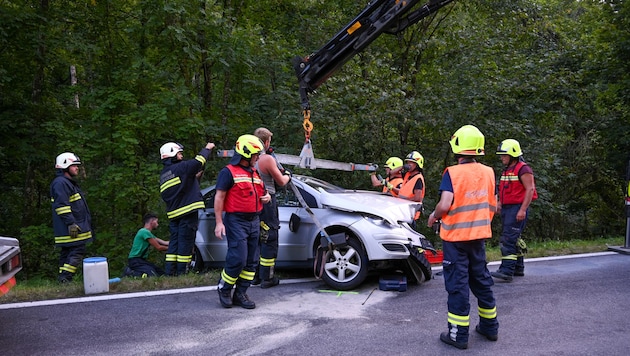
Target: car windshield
[{"x": 318, "y": 183}]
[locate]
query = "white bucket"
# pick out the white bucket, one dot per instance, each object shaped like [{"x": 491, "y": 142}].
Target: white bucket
[{"x": 95, "y": 275}]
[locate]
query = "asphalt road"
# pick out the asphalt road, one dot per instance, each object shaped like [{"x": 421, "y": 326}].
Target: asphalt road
[{"x": 568, "y": 306}]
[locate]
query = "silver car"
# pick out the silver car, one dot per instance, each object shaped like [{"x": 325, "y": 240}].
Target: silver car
[{"x": 372, "y": 232}]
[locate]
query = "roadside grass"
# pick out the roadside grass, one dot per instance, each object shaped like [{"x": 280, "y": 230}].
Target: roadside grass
[{"x": 43, "y": 289}]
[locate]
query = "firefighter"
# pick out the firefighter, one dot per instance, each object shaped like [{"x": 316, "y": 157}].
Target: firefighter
[
  {"x": 72, "y": 221},
  {"x": 413, "y": 184},
  {"x": 179, "y": 188},
  {"x": 393, "y": 181},
  {"x": 516, "y": 191},
  {"x": 272, "y": 174},
  {"x": 466, "y": 207},
  {"x": 240, "y": 192}
]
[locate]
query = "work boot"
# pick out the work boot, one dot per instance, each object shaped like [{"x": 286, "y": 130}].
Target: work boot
[
  {"x": 268, "y": 283},
  {"x": 225, "y": 297},
  {"x": 446, "y": 338},
  {"x": 519, "y": 272},
  {"x": 501, "y": 276},
  {"x": 241, "y": 299},
  {"x": 489, "y": 337},
  {"x": 256, "y": 280}
]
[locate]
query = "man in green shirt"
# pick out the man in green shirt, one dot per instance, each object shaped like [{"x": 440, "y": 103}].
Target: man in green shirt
[{"x": 138, "y": 264}]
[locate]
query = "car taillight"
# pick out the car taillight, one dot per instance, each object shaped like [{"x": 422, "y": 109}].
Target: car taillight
[{"x": 12, "y": 264}]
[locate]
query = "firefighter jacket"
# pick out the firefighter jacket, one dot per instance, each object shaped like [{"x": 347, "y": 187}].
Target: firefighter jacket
[
  {"x": 511, "y": 190},
  {"x": 474, "y": 203},
  {"x": 406, "y": 191},
  {"x": 69, "y": 207},
  {"x": 244, "y": 195},
  {"x": 179, "y": 186}
]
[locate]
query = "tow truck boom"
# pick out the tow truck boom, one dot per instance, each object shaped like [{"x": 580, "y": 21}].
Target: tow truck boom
[{"x": 378, "y": 17}]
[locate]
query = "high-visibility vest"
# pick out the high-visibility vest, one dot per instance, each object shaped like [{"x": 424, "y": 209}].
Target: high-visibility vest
[
  {"x": 474, "y": 203},
  {"x": 406, "y": 191},
  {"x": 511, "y": 190},
  {"x": 396, "y": 182},
  {"x": 244, "y": 195}
]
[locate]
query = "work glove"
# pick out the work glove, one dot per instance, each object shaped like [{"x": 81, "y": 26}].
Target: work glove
[
  {"x": 522, "y": 246},
  {"x": 73, "y": 231},
  {"x": 387, "y": 184},
  {"x": 264, "y": 232}
]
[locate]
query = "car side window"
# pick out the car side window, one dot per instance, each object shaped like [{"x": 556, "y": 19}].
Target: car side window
[{"x": 286, "y": 197}]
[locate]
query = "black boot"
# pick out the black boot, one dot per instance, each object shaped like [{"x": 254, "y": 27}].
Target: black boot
[
  {"x": 225, "y": 297},
  {"x": 268, "y": 283},
  {"x": 240, "y": 298}
]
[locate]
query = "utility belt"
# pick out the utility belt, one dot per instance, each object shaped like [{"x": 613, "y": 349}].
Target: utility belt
[{"x": 245, "y": 216}]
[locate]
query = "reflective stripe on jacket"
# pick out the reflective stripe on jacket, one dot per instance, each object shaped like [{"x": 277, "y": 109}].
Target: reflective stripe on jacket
[
  {"x": 69, "y": 207},
  {"x": 511, "y": 190},
  {"x": 244, "y": 195},
  {"x": 474, "y": 203}
]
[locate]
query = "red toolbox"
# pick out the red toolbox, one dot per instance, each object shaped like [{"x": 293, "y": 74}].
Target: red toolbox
[{"x": 434, "y": 259}]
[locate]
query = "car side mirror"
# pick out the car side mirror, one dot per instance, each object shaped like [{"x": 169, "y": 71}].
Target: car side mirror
[{"x": 294, "y": 222}]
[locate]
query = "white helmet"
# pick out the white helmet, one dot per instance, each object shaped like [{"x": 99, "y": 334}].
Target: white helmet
[
  {"x": 170, "y": 149},
  {"x": 66, "y": 160}
]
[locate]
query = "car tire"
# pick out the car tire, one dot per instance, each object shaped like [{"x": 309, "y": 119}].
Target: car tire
[
  {"x": 196, "y": 264},
  {"x": 346, "y": 267},
  {"x": 419, "y": 264}
]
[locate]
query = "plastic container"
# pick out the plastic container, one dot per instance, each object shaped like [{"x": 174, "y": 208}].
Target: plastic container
[
  {"x": 434, "y": 259},
  {"x": 95, "y": 275},
  {"x": 396, "y": 283}
]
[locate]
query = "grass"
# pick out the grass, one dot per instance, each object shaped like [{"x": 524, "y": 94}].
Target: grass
[{"x": 40, "y": 289}]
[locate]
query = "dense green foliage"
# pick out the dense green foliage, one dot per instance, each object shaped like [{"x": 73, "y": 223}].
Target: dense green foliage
[{"x": 553, "y": 74}]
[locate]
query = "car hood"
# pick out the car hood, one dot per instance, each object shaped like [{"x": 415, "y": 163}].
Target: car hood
[{"x": 385, "y": 206}]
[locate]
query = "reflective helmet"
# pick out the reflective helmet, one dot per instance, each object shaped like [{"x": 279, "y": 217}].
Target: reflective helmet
[
  {"x": 170, "y": 149},
  {"x": 416, "y": 157},
  {"x": 510, "y": 147},
  {"x": 66, "y": 160},
  {"x": 468, "y": 141},
  {"x": 247, "y": 145},
  {"x": 393, "y": 163}
]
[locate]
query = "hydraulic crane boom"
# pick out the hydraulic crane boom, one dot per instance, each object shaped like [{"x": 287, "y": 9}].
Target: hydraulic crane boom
[{"x": 378, "y": 17}]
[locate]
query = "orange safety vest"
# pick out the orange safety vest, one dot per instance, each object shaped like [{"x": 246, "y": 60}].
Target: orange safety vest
[
  {"x": 244, "y": 195},
  {"x": 474, "y": 203},
  {"x": 406, "y": 191},
  {"x": 396, "y": 182},
  {"x": 511, "y": 190}
]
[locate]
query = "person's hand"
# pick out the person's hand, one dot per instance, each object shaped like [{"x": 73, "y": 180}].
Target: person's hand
[
  {"x": 210, "y": 145},
  {"x": 265, "y": 198},
  {"x": 73, "y": 230},
  {"x": 288, "y": 173},
  {"x": 387, "y": 184},
  {"x": 219, "y": 231}
]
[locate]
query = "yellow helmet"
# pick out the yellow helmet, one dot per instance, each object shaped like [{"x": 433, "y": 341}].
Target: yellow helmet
[
  {"x": 468, "y": 141},
  {"x": 510, "y": 147},
  {"x": 416, "y": 157},
  {"x": 248, "y": 145},
  {"x": 393, "y": 163}
]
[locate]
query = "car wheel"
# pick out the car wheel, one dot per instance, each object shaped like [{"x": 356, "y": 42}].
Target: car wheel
[
  {"x": 346, "y": 267},
  {"x": 196, "y": 264}
]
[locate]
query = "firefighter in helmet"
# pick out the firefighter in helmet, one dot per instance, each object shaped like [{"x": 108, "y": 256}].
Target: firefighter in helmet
[
  {"x": 466, "y": 207},
  {"x": 393, "y": 181},
  {"x": 413, "y": 184},
  {"x": 72, "y": 221},
  {"x": 240, "y": 193},
  {"x": 179, "y": 188},
  {"x": 516, "y": 191}
]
